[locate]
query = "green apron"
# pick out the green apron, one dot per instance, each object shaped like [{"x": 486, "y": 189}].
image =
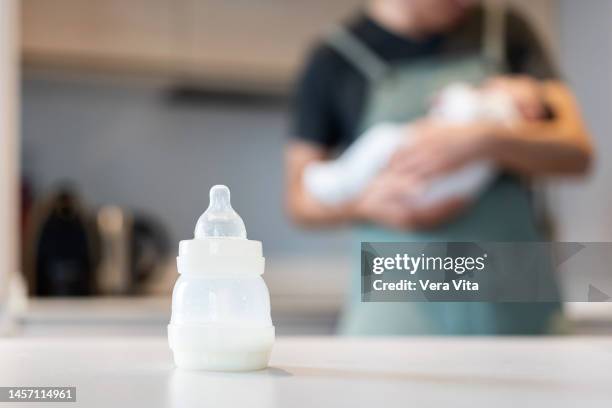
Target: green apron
[{"x": 401, "y": 93}]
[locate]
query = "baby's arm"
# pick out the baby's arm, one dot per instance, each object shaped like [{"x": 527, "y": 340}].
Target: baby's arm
[{"x": 338, "y": 181}]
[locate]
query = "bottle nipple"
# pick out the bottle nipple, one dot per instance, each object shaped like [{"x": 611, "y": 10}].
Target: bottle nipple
[{"x": 220, "y": 219}]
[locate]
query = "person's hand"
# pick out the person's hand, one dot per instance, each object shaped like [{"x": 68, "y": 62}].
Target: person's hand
[
  {"x": 385, "y": 202},
  {"x": 438, "y": 214},
  {"x": 525, "y": 91},
  {"x": 434, "y": 148}
]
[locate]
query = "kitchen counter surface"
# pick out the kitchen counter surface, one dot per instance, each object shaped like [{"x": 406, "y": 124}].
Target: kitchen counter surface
[
  {"x": 324, "y": 371},
  {"x": 292, "y": 314}
]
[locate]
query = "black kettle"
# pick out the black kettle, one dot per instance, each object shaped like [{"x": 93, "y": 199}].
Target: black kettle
[{"x": 61, "y": 258}]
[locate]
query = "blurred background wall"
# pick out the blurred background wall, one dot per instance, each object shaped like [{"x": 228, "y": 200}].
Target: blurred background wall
[{"x": 584, "y": 209}]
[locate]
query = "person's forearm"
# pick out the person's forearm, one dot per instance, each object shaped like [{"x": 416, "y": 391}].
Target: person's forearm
[
  {"x": 539, "y": 149},
  {"x": 301, "y": 206},
  {"x": 306, "y": 211},
  {"x": 558, "y": 146}
]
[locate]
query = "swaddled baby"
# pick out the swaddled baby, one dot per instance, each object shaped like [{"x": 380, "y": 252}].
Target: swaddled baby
[{"x": 343, "y": 179}]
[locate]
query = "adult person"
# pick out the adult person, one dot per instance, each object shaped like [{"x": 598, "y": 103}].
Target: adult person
[{"x": 385, "y": 65}]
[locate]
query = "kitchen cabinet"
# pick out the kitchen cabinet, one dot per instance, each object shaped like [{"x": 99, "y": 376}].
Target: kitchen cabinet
[
  {"x": 325, "y": 371},
  {"x": 246, "y": 41},
  {"x": 238, "y": 43},
  {"x": 110, "y": 33}
]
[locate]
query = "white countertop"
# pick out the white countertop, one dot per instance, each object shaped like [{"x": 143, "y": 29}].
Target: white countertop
[
  {"x": 293, "y": 315},
  {"x": 149, "y": 315},
  {"x": 325, "y": 371}
]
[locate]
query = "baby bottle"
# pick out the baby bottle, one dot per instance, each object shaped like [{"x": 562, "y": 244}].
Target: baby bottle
[{"x": 220, "y": 303}]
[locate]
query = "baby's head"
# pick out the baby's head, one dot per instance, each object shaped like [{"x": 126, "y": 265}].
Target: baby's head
[
  {"x": 501, "y": 99},
  {"x": 524, "y": 91}
]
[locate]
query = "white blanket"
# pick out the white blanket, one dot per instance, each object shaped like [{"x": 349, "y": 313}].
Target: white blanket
[{"x": 338, "y": 181}]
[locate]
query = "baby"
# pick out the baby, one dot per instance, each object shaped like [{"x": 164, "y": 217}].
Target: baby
[{"x": 343, "y": 179}]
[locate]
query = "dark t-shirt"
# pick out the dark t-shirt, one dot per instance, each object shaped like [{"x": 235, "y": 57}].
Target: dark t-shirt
[{"x": 330, "y": 93}]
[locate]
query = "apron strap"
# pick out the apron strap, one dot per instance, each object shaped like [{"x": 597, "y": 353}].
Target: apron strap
[
  {"x": 494, "y": 52},
  {"x": 357, "y": 53},
  {"x": 373, "y": 67},
  {"x": 494, "y": 35}
]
